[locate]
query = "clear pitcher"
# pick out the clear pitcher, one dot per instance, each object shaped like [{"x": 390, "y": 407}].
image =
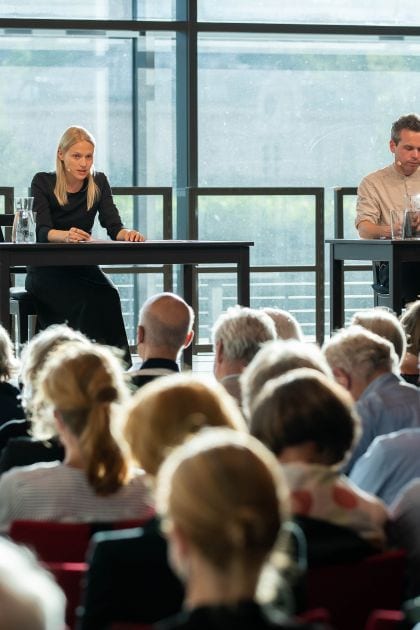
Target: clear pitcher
[{"x": 24, "y": 226}]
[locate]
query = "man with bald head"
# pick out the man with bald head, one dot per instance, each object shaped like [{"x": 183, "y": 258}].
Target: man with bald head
[{"x": 164, "y": 330}]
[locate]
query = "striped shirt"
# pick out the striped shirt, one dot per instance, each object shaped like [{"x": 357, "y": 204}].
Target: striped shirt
[{"x": 57, "y": 492}]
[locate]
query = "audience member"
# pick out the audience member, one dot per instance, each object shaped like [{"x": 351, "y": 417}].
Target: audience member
[
  {"x": 274, "y": 359},
  {"x": 29, "y": 597},
  {"x": 224, "y": 503},
  {"x": 309, "y": 423},
  {"x": 405, "y": 513},
  {"x": 366, "y": 365},
  {"x": 161, "y": 415},
  {"x": 83, "y": 387},
  {"x": 287, "y": 326},
  {"x": 10, "y": 405},
  {"x": 384, "y": 323},
  {"x": 237, "y": 336},
  {"x": 165, "y": 329},
  {"x": 390, "y": 462},
  {"x": 410, "y": 366},
  {"x": 33, "y": 440}
]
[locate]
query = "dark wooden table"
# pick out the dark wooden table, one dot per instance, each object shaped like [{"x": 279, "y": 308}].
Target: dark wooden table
[
  {"x": 394, "y": 252},
  {"x": 184, "y": 253}
]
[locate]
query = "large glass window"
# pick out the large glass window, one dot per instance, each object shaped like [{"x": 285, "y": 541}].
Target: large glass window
[
  {"x": 391, "y": 12},
  {"x": 94, "y": 9}
]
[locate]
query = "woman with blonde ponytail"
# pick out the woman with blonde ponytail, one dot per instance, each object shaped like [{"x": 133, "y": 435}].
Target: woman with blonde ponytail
[
  {"x": 66, "y": 203},
  {"x": 83, "y": 387}
]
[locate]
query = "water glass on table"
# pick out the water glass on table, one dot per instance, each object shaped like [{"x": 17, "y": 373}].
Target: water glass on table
[
  {"x": 24, "y": 227},
  {"x": 397, "y": 224},
  {"x": 412, "y": 223}
]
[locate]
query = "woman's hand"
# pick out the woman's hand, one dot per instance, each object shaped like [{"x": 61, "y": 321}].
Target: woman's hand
[
  {"x": 130, "y": 235},
  {"x": 75, "y": 235}
]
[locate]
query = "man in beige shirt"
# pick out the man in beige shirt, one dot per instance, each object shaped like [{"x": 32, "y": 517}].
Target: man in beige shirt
[{"x": 390, "y": 188}]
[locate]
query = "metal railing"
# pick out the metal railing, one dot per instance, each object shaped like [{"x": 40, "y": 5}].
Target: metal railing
[{"x": 194, "y": 193}]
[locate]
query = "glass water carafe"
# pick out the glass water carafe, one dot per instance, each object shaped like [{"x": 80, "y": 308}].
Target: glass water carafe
[{"x": 24, "y": 227}]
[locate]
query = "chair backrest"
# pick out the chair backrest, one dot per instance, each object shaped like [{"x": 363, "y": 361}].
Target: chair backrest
[
  {"x": 350, "y": 592},
  {"x": 6, "y": 221},
  {"x": 62, "y": 542},
  {"x": 70, "y": 576},
  {"x": 386, "y": 620}
]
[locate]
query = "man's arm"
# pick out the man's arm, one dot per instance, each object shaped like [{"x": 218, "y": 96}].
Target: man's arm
[{"x": 367, "y": 229}]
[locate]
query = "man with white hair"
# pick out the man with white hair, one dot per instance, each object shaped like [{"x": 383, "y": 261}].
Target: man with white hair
[
  {"x": 237, "y": 336},
  {"x": 165, "y": 329},
  {"x": 367, "y": 366}
]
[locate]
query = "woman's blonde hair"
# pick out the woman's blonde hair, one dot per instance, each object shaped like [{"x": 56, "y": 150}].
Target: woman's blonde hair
[
  {"x": 411, "y": 324},
  {"x": 169, "y": 410},
  {"x": 8, "y": 362},
  {"x": 84, "y": 384},
  {"x": 224, "y": 490},
  {"x": 34, "y": 356},
  {"x": 71, "y": 136}
]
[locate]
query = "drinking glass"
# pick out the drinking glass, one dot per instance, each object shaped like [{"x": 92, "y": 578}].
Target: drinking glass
[
  {"x": 412, "y": 223},
  {"x": 24, "y": 228},
  {"x": 397, "y": 223}
]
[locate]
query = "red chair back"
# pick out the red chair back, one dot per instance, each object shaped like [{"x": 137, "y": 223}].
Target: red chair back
[
  {"x": 350, "y": 592},
  {"x": 385, "y": 620},
  {"x": 69, "y": 575},
  {"x": 61, "y": 542}
]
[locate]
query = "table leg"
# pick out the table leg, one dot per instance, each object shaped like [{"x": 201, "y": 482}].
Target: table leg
[
  {"x": 4, "y": 295},
  {"x": 336, "y": 291},
  {"x": 188, "y": 291},
  {"x": 243, "y": 278}
]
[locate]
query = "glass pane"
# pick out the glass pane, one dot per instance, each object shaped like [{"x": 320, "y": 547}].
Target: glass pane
[
  {"x": 300, "y": 111},
  {"x": 294, "y": 292},
  {"x": 57, "y": 82},
  {"x": 156, "y": 154},
  {"x": 274, "y": 223},
  {"x": 156, "y": 9},
  {"x": 94, "y": 9},
  {"x": 134, "y": 289},
  {"x": 308, "y": 11}
]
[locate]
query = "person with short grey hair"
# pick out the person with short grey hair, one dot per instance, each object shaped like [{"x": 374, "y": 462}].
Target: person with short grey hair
[
  {"x": 286, "y": 324},
  {"x": 385, "y": 324},
  {"x": 274, "y": 359},
  {"x": 367, "y": 366},
  {"x": 237, "y": 336}
]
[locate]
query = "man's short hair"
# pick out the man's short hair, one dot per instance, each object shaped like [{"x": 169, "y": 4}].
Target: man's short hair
[
  {"x": 358, "y": 351},
  {"x": 304, "y": 406},
  {"x": 242, "y": 330},
  {"x": 409, "y": 121},
  {"x": 166, "y": 329}
]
